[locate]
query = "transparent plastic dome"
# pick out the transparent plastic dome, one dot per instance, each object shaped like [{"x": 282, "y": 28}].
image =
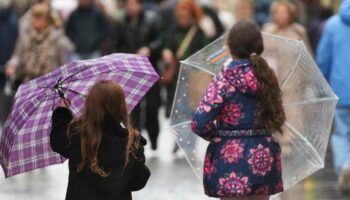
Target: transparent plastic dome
[{"x": 309, "y": 103}]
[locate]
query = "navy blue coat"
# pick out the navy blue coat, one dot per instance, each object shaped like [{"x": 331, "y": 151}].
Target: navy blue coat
[
  {"x": 87, "y": 29},
  {"x": 8, "y": 36},
  {"x": 240, "y": 160}
]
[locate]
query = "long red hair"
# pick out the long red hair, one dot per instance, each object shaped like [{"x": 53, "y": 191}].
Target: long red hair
[
  {"x": 192, "y": 7},
  {"x": 105, "y": 97}
]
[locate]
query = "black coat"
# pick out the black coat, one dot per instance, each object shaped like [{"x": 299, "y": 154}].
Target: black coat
[
  {"x": 8, "y": 36},
  {"x": 128, "y": 37},
  {"x": 88, "y": 185},
  {"x": 87, "y": 29}
]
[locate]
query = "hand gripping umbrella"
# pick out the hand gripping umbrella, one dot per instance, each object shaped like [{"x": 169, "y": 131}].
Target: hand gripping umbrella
[
  {"x": 309, "y": 103},
  {"x": 25, "y": 142}
]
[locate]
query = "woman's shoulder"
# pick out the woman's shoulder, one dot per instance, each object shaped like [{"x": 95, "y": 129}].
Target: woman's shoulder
[
  {"x": 61, "y": 40},
  {"x": 269, "y": 27},
  {"x": 298, "y": 27}
]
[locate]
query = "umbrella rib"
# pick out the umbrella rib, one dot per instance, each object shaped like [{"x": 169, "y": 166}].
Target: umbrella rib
[
  {"x": 188, "y": 160},
  {"x": 310, "y": 101},
  {"x": 180, "y": 124},
  {"x": 293, "y": 68},
  {"x": 176, "y": 91},
  {"x": 73, "y": 91},
  {"x": 290, "y": 127},
  {"x": 194, "y": 66},
  {"x": 69, "y": 78}
]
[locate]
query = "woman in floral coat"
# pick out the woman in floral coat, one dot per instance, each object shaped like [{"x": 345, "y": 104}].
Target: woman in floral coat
[{"x": 240, "y": 110}]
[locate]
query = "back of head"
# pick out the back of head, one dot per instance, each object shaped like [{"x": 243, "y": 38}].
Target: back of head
[
  {"x": 245, "y": 41},
  {"x": 104, "y": 98}
]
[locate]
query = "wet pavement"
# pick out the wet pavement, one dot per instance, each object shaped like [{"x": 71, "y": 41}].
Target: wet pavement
[{"x": 172, "y": 179}]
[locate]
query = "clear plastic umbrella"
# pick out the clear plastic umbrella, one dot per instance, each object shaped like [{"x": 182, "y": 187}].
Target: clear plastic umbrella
[{"x": 309, "y": 103}]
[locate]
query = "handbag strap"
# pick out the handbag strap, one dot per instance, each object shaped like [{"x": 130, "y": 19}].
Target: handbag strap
[{"x": 186, "y": 42}]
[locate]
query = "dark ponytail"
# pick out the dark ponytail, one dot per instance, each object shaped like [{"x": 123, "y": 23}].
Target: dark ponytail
[
  {"x": 270, "y": 110},
  {"x": 245, "y": 42}
]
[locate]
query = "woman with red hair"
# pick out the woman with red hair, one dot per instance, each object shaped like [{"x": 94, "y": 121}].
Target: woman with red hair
[{"x": 184, "y": 39}]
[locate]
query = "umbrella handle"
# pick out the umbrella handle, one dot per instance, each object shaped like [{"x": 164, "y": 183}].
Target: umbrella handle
[
  {"x": 58, "y": 87},
  {"x": 60, "y": 93},
  {"x": 66, "y": 102}
]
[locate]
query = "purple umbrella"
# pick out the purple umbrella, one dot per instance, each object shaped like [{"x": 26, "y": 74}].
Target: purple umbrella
[{"x": 25, "y": 142}]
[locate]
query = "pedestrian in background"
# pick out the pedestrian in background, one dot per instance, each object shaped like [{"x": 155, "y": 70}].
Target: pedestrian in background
[
  {"x": 317, "y": 25},
  {"x": 334, "y": 61},
  {"x": 25, "y": 20},
  {"x": 284, "y": 16},
  {"x": 8, "y": 36},
  {"x": 138, "y": 31},
  {"x": 106, "y": 159},
  {"x": 87, "y": 28},
  {"x": 40, "y": 51},
  {"x": 184, "y": 39}
]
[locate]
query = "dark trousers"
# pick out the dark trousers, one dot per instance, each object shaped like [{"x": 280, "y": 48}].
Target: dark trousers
[
  {"x": 5, "y": 106},
  {"x": 148, "y": 110}
]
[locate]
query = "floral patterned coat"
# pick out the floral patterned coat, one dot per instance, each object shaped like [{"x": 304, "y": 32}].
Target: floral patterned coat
[{"x": 239, "y": 161}]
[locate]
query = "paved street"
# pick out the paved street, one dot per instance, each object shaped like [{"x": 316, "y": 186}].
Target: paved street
[{"x": 172, "y": 179}]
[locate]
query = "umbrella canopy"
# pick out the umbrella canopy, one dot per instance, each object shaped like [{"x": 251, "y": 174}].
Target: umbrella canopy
[
  {"x": 309, "y": 103},
  {"x": 25, "y": 142}
]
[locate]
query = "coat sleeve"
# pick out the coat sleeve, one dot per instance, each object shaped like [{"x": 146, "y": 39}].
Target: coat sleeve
[
  {"x": 118, "y": 38},
  {"x": 61, "y": 118},
  {"x": 17, "y": 54},
  {"x": 203, "y": 121},
  {"x": 65, "y": 50},
  {"x": 103, "y": 27},
  {"x": 156, "y": 42},
  {"x": 305, "y": 39},
  {"x": 324, "y": 52},
  {"x": 70, "y": 30},
  {"x": 142, "y": 173}
]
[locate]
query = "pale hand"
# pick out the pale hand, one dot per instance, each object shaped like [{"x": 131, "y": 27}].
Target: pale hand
[
  {"x": 10, "y": 71},
  {"x": 167, "y": 56},
  {"x": 144, "y": 51},
  {"x": 65, "y": 103}
]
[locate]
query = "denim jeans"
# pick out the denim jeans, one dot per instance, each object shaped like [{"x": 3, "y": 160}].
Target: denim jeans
[{"x": 341, "y": 139}]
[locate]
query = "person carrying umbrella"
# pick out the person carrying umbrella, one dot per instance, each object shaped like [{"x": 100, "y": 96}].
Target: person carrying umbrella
[
  {"x": 106, "y": 159},
  {"x": 25, "y": 141},
  {"x": 238, "y": 113}
]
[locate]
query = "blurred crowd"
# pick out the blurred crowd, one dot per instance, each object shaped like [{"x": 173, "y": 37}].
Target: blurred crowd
[{"x": 37, "y": 36}]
